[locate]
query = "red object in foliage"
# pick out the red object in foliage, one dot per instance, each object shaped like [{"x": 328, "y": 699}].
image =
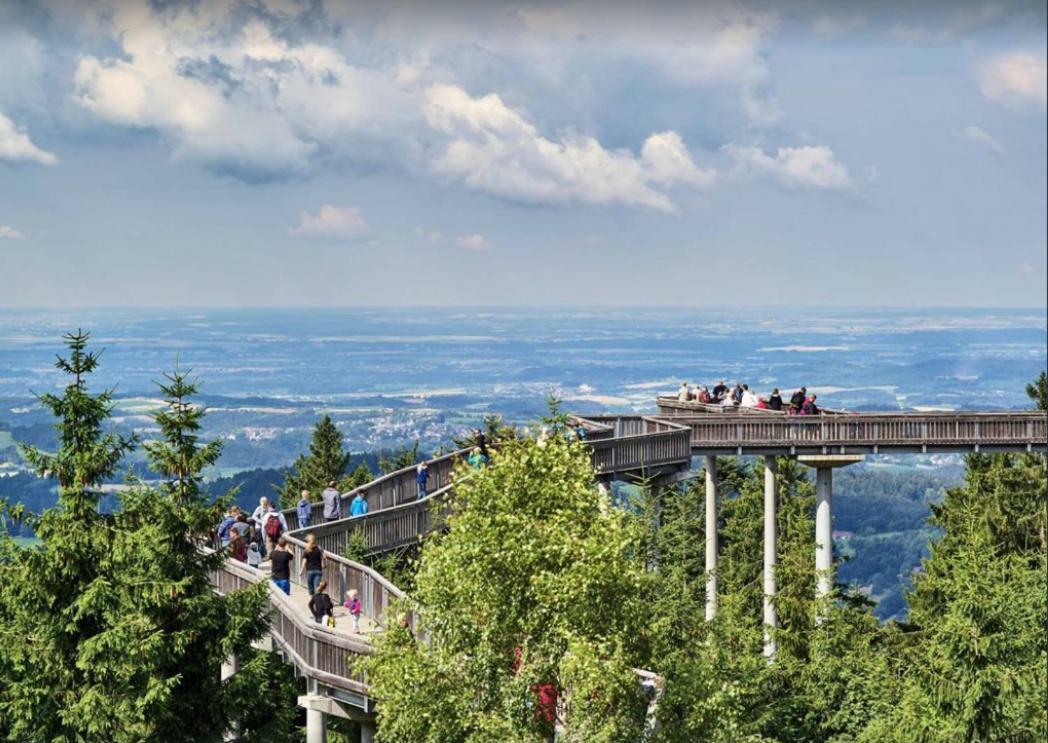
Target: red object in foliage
[{"x": 545, "y": 694}]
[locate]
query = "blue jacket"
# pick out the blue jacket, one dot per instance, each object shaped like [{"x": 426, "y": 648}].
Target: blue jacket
[
  {"x": 422, "y": 476},
  {"x": 305, "y": 512},
  {"x": 358, "y": 506}
]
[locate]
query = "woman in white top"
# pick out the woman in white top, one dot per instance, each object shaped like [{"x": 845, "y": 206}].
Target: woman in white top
[{"x": 749, "y": 398}]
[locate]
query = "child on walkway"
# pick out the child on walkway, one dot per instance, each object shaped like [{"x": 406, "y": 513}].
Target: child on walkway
[
  {"x": 355, "y": 608},
  {"x": 320, "y": 604}
]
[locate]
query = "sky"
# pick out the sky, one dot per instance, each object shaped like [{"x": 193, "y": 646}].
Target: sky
[{"x": 321, "y": 152}]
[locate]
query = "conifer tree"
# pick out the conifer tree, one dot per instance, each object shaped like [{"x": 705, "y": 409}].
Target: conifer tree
[
  {"x": 326, "y": 461},
  {"x": 111, "y": 628}
]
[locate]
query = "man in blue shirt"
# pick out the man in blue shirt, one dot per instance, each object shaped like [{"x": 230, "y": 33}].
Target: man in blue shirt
[{"x": 358, "y": 506}]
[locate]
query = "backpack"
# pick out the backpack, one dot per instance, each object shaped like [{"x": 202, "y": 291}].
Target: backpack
[
  {"x": 273, "y": 527},
  {"x": 225, "y": 526}
]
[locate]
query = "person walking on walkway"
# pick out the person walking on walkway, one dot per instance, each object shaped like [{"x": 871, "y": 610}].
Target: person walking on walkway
[
  {"x": 476, "y": 459},
  {"x": 332, "y": 502},
  {"x": 304, "y": 510},
  {"x": 421, "y": 477},
  {"x": 355, "y": 608},
  {"x": 480, "y": 440},
  {"x": 312, "y": 563},
  {"x": 259, "y": 513},
  {"x": 321, "y": 606},
  {"x": 683, "y": 394},
  {"x": 358, "y": 506},
  {"x": 225, "y": 528},
  {"x": 273, "y": 525},
  {"x": 280, "y": 566},
  {"x": 775, "y": 400}
]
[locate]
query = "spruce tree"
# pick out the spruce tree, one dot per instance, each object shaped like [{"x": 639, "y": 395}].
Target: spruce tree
[
  {"x": 111, "y": 628},
  {"x": 326, "y": 461},
  {"x": 975, "y": 660}
]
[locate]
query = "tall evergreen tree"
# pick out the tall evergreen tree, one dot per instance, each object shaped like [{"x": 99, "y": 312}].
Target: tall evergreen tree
[
  {"x": 110, "y": 629},
  {"x": 975, "y": 665},
  {"x": 326, "y": 461}
]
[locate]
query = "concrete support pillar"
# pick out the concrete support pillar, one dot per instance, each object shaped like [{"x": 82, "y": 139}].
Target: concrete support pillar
[
  {"x": 367, "y": 732},
  {"x": 229, "y": 667},
  {"x": 824, "y": 465},
  {"x": 316, "y": 726},
  {"x": 770, "y": 590},
  {"x": 711, "y": 538},
  {"x": 823, "y": 533}
]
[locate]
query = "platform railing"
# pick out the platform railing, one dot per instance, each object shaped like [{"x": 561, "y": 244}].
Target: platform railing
[
  {"x": 1016, "y": 429},
  {"x": 639, "y": 443}
]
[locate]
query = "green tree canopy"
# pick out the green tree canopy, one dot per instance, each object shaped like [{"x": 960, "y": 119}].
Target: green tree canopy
[{"x": 535, "y": 584}]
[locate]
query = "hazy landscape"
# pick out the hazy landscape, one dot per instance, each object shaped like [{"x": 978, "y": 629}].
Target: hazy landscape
[{"x": 389, "y": 377}]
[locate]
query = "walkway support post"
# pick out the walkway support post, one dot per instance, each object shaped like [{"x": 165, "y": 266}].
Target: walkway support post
[
  {"x": 367, "y": 732},
  {"x": 316, "y": 726},
  {"x": 824, "y": 465},
  {"x": 229, "y": 667},
  {"x": 770, "y": 506},
  {"x": 823, "y": 534},
  {"x": 711, "y": 538}
]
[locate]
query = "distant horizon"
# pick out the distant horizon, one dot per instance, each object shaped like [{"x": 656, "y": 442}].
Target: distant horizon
[{"x": 306, "y": 307}]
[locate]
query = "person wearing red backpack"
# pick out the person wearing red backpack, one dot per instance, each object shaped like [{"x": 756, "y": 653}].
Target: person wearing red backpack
[{"x": 273, "y": 525}]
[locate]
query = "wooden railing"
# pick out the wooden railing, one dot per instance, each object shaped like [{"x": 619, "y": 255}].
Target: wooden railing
[
  {"x": 640, "y": 443},
  {"x": 1019, "y": 429},
  {"x": 317, "y": 651},
  {"x": 387, "y": 491},
  {"x": 384, "y": 530},
  {"x": 377, "y": 594}
]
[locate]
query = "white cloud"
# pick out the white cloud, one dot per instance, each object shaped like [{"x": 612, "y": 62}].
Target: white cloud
[
  {"x": 832, "y": 26},
  {"x": 1015, "y": 78},
  {"x": 10, "y": 233},
  {"x": 243, "y": 99},
  {"x": 16, "y": 147},
  {"x": 977, "y": 134},
  {"x": 795, "y": 167},
  {"x": 493, "y": 148},
  {"x": 332, "y": 222},
  {"x": 473, "y": 242}
]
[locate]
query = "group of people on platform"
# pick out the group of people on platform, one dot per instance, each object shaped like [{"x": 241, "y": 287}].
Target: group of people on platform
[{"x": 741, "y": 396}]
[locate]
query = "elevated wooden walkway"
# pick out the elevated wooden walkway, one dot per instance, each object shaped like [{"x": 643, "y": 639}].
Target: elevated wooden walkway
[{"x": 622, "y": 447}]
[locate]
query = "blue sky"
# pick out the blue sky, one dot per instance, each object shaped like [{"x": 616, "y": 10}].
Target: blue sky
[{"x": 286, "y": 152}]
